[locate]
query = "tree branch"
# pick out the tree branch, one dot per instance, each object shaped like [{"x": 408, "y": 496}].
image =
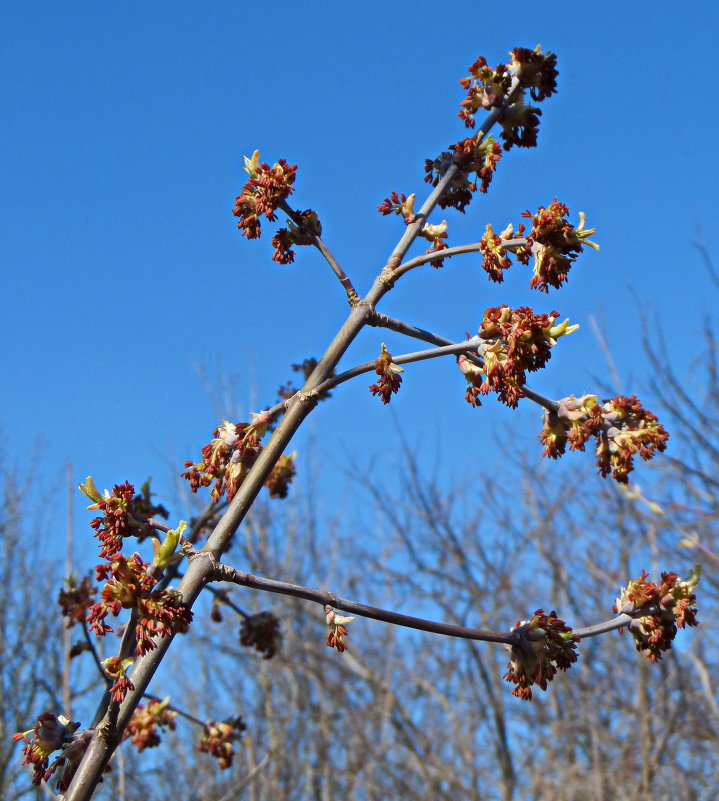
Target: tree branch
[
  {"x": 223, "y": 572},
  {"x": 352, "y": 295},
  {"x": 458, "y": 250}
]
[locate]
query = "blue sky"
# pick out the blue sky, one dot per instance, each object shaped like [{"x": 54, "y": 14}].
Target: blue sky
[{"x": 123, "y": 136}]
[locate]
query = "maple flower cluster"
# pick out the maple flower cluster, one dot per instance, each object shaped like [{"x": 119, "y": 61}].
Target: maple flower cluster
[
  {"x": 261, "y": 632},
  {"x": 389, "y": 376},
  {"x": 306, "y": 367},
  {"x": 142, "y": 730},
  {"x": 668, "y": 605},
  {"x": 54, "y": 733},
  {"x": 263, "y": 193},
  {"x": 267, "y": 188},
  {"x": 227, "y": 460},
  {"x": 129, "y": 585},
  {"x": 337, "y": 633},
  {"x": 218, "y": 739},
  {"x": 488, "y": 88},
  {"x": 403, "y": 206},
  {"x": 547, "y": 644},
  {"x": 477, "y": 155},
  {"x": 517, "y": 341},
  {"x": 124, "y": 514},
  {"x": 300, "y": 232},
  {"x": 621, "y": 427},
  {"x": 76, "y": 599},
  {"x": 553, "y": 242},
  {"x": 116, "y": 669}
]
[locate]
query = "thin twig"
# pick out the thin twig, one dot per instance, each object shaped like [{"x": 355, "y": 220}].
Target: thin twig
[
  {"x": 223, "y": 572},
  {"x": 187, "y": 715},
  {"x": 458, "y": 250},
  {"x": 296, "y": 218}
]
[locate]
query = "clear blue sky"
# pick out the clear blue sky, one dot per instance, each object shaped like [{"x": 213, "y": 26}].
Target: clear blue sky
[{"x": 124, "y": 128}]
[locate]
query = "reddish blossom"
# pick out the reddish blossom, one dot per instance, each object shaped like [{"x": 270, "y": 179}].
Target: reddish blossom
[
  {"x": 116, "y": 669},
  {"x": 279, "y": 480},
  {"x": 486, "y": 88},
  {"x": 76, "y": 599},
  {"x": 145, "y": 722},
  {"x": 622, "y": 429},
  {"x": 282, "y": 242},
  {"x": 546, "y": 645},
  {"x": 398, "y": 204},
  {"x": 554, "y": 243},
  {"x": 286, "y": 391},
  {"x": 436, "y": 234},
  {"x": 496, "y": 256},
  {"x": 337, "y": 634},
  {"x": 536, "y": 71},
  {"x": 389, "y": 376},
  {"x": 218, "y": 738},
  {"x": 301, "y": 230},
  {"x": 478, "y": 155},
  {"x": 520, "y": 124},
  {"x": 518, "y": 341},
  {"x": 111, "y": 528},
  {"x": 129, "y": 586},
  {"x": 227, "y": 459},
  {"x": 668, "y": 605},
  {"x": 263, "y": 193},
  {"x": 53, "y": 733},
  {"x": 261, "y": 632}
]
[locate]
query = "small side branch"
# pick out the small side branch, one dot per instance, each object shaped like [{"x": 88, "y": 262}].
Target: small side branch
[
  {"x": 459, "y": 250},
  {"x": 352, "y": 295},
  {"x": 223, "y": 572}
]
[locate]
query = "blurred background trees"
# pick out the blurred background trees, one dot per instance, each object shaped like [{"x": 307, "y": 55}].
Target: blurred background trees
[{"x": 417, "y": 716}]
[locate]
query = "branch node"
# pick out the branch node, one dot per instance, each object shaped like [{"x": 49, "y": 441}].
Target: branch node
[
  {"x": 386, "y": 277},
  {"x": 308, "y": 399}
]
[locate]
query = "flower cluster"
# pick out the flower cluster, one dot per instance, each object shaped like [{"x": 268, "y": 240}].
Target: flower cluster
[
  {"x": 621, "y": 427},
  {"x": 668, "y": 605},
  {"x": 546, "y": 644},
  {"x": 300, "y": 232},
  {"x": 263, "y": 193},
  {"x": 404, "y": 206},
  {"x": 145, "y": 722},
  {"x": 475, "y": 155},
  {"x": 435, "y": 234},
  {"x": 142, "y": 504},
  {"x": 50, "y": 734},
  {"x": 228, "y": 458},
  {"x": 517, "y": 341},
  {"x": 218, "y": 739},
  {"x": 536, "y": 71},
  {"x": 261, "y": 632},
  {"x": 286, "y": 391},
  {"x": 279, "y": 480},
  {"x": 114, "y": 526},
  {"x": 488, "y": 88},
  {"x": 76, "y": 599},
  {"x": 337, "y": 629},
  {"x": 389, "y": 376},
  {"x": 496, "y": 256},
  {"x": 399, "y": 204},
  {"x": 553, "y": 242},
  {"x": 122, "y": 512},
  {"x": 116, "y": 669},
  {"x": 129, "y": 585}
]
